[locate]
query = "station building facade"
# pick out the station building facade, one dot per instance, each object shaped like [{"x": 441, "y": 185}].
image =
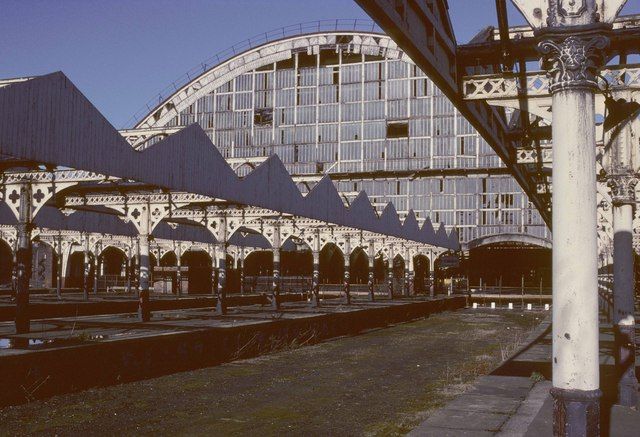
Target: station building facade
[{"x": 355, "y": 107}]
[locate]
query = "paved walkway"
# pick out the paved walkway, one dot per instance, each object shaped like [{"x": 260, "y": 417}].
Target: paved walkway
[{"x": 515, "y": 401}]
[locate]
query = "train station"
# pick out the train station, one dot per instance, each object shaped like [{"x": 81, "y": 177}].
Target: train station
[{"x": 354, "y": 184}]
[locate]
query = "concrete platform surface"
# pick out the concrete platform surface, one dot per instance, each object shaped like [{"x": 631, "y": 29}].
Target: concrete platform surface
[{"x": 515, "y": 401}]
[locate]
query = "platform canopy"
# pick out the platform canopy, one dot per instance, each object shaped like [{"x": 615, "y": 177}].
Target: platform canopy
[{"x": 46, "y": 121}]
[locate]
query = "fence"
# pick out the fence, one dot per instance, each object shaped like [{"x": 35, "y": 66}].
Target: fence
[{"x": 605, "y": 295}]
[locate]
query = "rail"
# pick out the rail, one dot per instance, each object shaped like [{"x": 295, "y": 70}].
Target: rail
[
  {"x": 605, "y": 295},
  {"x": 356, "y": 24}
]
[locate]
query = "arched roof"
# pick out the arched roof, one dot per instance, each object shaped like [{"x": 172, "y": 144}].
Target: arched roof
[
  {"x": 508, "y": 238},
  {"x": 354, "y": 42}
]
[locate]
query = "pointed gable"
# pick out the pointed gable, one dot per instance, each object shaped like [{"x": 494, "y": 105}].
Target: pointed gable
[
  {"x": 324, "y": 202},
  {"x": 271, "y": 186},
  {"x": 361, "y": 212}
]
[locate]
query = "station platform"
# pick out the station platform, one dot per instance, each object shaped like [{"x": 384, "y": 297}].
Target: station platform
[
  {"x": 514, "y": 399},
  {"x": 68, "y": 354}
]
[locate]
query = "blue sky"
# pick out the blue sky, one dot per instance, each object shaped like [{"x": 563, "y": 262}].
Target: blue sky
[{"x": 121, "y": 53}]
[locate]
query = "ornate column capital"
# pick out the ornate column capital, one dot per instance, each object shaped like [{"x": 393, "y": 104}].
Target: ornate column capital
[
  {"x": 572, "y": 61},
  {"x": 623, "y": 188}
]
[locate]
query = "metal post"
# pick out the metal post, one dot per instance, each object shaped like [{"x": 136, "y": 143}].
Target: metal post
[
  {"x": 390, "y": 279},
  {"x": 96, "y": 271},
  {"x": 572, "y": 61},
  {"x": 315, "y": 280},
  {"x": 86, "y": 269},
  {"x": 522, "y": 292},
  {"x": 407, "y": 268},
  {"x": 23, "y": 260},
  {"x": 221, "y": 291},
  {"x": 241, "y": 269},
  {"x": 275, "y": 291},
  {"x": 144, "y": 310},
  {"x": 623, "y": 199},
  {"x": 59, "y": 267},
  {"x": 347, "y": 273},
  {"x": 432, "y": 276},
  {"x": 371, "y": 260},
  {"x": 178, "y": 270}
]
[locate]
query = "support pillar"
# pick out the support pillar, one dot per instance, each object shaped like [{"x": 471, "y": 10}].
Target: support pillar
[
  {"x": 136, "y": 269},
  {"x": 572, "y": 61},
  {"x": 179, "y": 270},
  {"x": 347, "y": 278},
  {"x": 390, "y": 276},
  {"x": 623, "y": 199},
  {"x": 315, "y": 280},
  {"x": 96, "y": 269},
  {"x": 432, "y": 275},
  {"x": 408, "y": 274},
  {"x": 275, "y": 286},
  {"x": 241, "y": 270},
  {"x": 371, "y": 282},
  {"x": 59, "y": 267},
  {"x": 221, "y": 290},
  {"x": 86, "y": 268},
  {"x": 144, "y": 310},
  {"x": 23, "y": 260}
]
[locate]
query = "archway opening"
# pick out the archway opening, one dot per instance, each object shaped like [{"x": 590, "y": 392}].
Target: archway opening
[
  {"x": 198, "y": 271},
  {"x": 113, "y": 270},
  {"x": 331, "y": 266},
  {"x": 296, "y": 265},
  {"x": 165, "y": 276},
  {"x": 44, "y": 261},
  {"x": 359, "y": 267},
  {"x": 169, "y": 259},
  {"x": 75, "y": 271},
  {"x": 421, "y": 274},
  {"x": 380, "y": 269},
  {"x": 6, "y": 264},
  {"x": 398, "y": 274},
  {"x": 258, "y": 268},
  {"x": 508, "y": 264}
]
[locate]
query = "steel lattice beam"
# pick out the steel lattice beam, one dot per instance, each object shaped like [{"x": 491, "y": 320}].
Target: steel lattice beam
[{"x": 423, "y": 29}]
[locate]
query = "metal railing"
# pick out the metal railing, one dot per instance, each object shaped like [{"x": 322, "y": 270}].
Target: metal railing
[
  {"x": 356, "y": 24},
  {"x": 605, "y": 295}
]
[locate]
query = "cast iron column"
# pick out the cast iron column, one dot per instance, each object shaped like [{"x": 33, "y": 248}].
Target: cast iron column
[
  {"x": 241, "y": 270},
  {"x": 275, "y": 289},
  {"x": 371, "y": 284},
  {"x": 128, "y": 267},
  {"x": 144, "y": 312},
  {"x": 315, "y": 280},
  {"x": 390, "y": 274},
  {"x": 347, "y": 260},
  {"x": 86, "y": 269},
  {"x": 432, "y": 275},
  {"x": 572, "y": 56},
  {"x": 23, "y": 260},
  {"x": 59, "y": 267},
  {"x": 409, "y": 274},
  {"x": 624, "y": 324},
  {"x": 221, "y": 291},
  {"x": 178, "y": 270},
  {"x": 96, "y": 268}
]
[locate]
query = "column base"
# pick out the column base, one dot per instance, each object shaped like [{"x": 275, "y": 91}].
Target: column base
[
  {"x": 144, "y": 312},
  {"x": 626, "y": 366},
  {"x": 22, "y": 320},
  {"x": 347, "y": 296},
  {"x": 315, "y": 299},
  {"x": 576, "y": 412},
  {"x": 221, "y": 305},
  {"x": 274, "y": 301}
]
